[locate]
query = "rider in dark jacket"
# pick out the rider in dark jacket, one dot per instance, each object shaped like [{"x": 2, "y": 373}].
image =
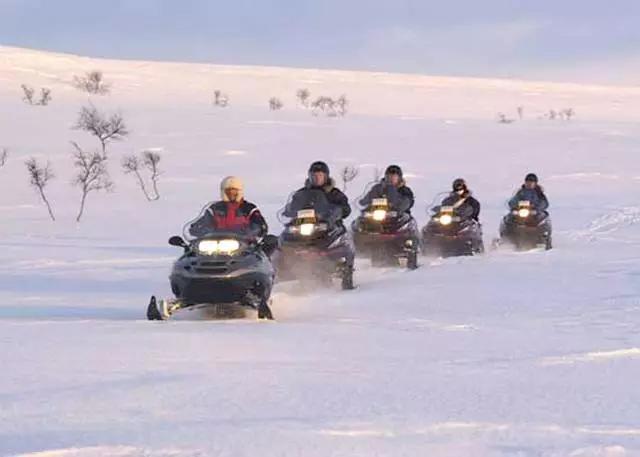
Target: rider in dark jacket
[
  {"x": 393, "y": 187},
  {"x": 319, "y": 178},
  {"x": 462, "y": 201},
  {"x": 532, "y": 192}
]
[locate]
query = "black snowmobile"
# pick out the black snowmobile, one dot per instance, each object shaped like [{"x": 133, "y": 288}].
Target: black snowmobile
[
  {"x": 315, "y": 247},
  {"x": 220, "y": 274},
  {"x": 450, "y": 231},
  {"x": 383, "y": 234},
  {"x": 525, "y": 228}
]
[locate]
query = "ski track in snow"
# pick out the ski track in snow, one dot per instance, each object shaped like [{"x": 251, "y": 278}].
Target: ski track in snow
[{"x": 509, "y": 354}]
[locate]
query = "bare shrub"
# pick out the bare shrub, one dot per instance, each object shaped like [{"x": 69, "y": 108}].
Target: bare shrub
[
  {"x": 275, "y": 104},
  {"x": 520, "y": 110},
  {"x": 348, "y": 174},
  {"x": 39, "y": 177},
  {"x": 4, "y": 153},
  {"x": 91, "y": 175},
  {"x": 92, "y": 82},
  {"x": 150, "y": 160},
  {"x": 568, "y": 113},
  {"x": 45, "y": 96},
  {"x": 104, "y": 128},
  {"x": 502, "y": 119},
  {"x": 28, "y": 94},
  {"x": 324, "y": 104},
  {"x": 220, "y": 99},
  {"x": 342, "y": 104},
  {"x": 303, "y": 95}
]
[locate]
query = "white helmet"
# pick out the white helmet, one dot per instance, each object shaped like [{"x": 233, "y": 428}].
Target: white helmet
[{"x": 231, "y": 182}]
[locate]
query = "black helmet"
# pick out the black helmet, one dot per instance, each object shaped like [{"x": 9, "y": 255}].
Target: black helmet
[
  {"x": 319, "y": 166},
  {"x": 459, "y": 184},
  {"x": 393, "y": 170},
  {"x": 531, "y": 177}
]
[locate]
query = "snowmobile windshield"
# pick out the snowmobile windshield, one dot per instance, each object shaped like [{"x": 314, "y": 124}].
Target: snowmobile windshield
[
  {"x": 436, "y": 202},
  {"x": 380, "y": 195},
  {"x": 309, "y": 204}
]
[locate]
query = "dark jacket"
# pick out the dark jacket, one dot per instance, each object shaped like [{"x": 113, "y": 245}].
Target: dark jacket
[
  {"x": 536, "y": 196},
  {"x": 334, "y": 195},
  {"x": 400, "y": 198},
  {"x": 222, "y": 215},
  {"x": 465, "y": 205}
]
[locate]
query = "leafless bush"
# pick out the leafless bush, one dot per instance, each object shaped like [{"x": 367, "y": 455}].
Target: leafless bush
[
  {"x": 348, "y": 174},
  {"x": 520, "y": 112},
  {"x": 4, "y": 153},
  {"x": 553, "y": 114},
  {"x": 342, "y": 104},
  {"x": 150, "y": 160},
  {"x": 303, "y": 95},
  {"x": 502, "y": 119},
  {"x": 28, "y": 94},
  {"x": 220, "y": 99},
  {"x": 568, "y": 113},
  {"x": 92, "y": 82},
  {"x": 92, "y": 174},
  {"x": 45, "y": 96},
  {"x": 104, "y": 128},
  {"x": 275, "y": 104},
  {"x": 325, "y": 104},
  {"x": 39, "y": 177}
]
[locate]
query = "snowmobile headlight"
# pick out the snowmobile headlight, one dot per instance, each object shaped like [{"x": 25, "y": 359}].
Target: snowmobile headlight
[
  {"x": 210, "y": 247},
  {"x": 307, "y": 229},
  {"x": 524, "y": 212},
  {"x": 228, "y": 246},
  {"x": 446, "y": 219},
  {"x": 379, "y": 214}
]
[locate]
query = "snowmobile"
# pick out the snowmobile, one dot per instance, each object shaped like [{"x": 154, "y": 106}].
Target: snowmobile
[
  {"x": 386, "y": 236},
  {"x": 450, "y": 232},
  {"x": 314, "y": 246},
  {"x": 222, "y": 274},
  {"x": 525, "y": 228}
]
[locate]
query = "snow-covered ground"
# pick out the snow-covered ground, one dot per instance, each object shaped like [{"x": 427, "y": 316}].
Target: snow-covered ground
[{"x": 509, "y": 354}]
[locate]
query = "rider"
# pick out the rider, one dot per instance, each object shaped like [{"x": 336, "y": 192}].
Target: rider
[
  {"x": 460, "y": 198},
  {"x": 394, "y": 186},
  {"x": 319, "y": 178},
  {"x": 235, "y": 213},
  {"x": 532, "y": 192}
]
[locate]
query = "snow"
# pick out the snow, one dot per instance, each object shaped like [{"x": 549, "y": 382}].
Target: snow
[{"x": 508, "y": 354}]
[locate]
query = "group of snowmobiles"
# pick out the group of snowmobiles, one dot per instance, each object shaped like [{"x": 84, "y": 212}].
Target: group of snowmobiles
[{"x": 225, "y": 270}]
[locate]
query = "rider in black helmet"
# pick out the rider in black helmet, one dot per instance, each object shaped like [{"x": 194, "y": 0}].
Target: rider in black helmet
[
  {"x": 532, "y": 192},
  {"x": 320, "y": 178},
  {"x": 461, "y": 199},
  {"x": 394, "y": 187}
]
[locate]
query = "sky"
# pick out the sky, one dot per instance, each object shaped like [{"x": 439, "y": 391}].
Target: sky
[{"x": 581, "y": 40}]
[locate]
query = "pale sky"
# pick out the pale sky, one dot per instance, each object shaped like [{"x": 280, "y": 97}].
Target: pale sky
[{"x": 585, "y": 40}]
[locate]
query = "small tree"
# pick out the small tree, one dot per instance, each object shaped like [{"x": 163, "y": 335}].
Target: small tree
[
  {"x": 92, "y": 174},
  {"x": 92, "y": 82},
  {"x": 568, "y": 113},
  {"x": 303, "y": 95},
  {"x": 342, "y": 104},
  {"x": 324, "y": 104},
  {"x": 502, "y": 119},
  {"x": 28, "y": 93},
  {"x": 39, "y": 177},
  {"x": 275, "y": 104},
  {"x": 105, "y": 129},
  {"x": 150, "y": 160},
  {"x": 348, "y": 174},
  {"x": 553, "y": 114},
  {"x": 520, "y": 112},
  {"x": 4, "y": 153},
  {"x": 45, "y": 96},
  {"x": 220, "y": 99}
]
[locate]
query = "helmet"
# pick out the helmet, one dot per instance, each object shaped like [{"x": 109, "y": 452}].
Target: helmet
[
  {"x": 231, "y": 182},
  {"x": 319, "y": 166},
  {"x": 393, "y": 170},
  {"x": 459, "y": 184},
  {"x": 531, "y": 177}
]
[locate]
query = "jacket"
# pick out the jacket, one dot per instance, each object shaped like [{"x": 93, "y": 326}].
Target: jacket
[
  {"x": 233, "y": 216},
  {"x": 334, "y": 196},
  {"x": 401, "y": 197},
  {"x": 536, "y": 196},
  {"x": 466, "y": 206}
]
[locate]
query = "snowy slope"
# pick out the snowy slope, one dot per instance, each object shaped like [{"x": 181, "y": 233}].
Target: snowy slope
[{"x": 510, "y": 354}]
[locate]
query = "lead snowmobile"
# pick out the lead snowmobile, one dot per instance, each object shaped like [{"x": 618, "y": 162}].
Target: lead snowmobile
[
  {"x": 222, "y": 274},
  {"x": 315, "y": 246},
  {"x": 450, "y": 231},
  {"x": 383, "y": 231},
  {"x": 525, "y": 227}
]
